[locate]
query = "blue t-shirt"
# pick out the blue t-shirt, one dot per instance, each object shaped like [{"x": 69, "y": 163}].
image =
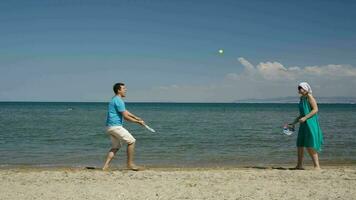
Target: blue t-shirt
[{"x": 115, "y": 109}]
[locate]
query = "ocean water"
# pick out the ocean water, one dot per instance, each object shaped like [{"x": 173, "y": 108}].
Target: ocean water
[{"x": 188, "y": 134}]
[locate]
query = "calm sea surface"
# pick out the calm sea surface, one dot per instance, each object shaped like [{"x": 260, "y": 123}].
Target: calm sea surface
[{"x": 188, "y": 134}]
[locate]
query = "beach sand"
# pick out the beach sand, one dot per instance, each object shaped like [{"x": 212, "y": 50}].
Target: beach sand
[{"x": 184, "y": 183}]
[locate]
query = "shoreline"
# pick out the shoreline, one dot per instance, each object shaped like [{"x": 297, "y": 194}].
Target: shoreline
[
  {"x": 179, "y": 183},
  {"x": 173, "y": 168}
]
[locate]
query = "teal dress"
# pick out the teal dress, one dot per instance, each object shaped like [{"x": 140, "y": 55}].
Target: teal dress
[{"x": 309, "y": 134}]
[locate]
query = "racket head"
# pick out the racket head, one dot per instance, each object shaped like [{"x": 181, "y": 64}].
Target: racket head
[{"x": 150, "y": 129}]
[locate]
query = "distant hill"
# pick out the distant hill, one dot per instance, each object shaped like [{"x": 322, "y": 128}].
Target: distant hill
[{"x": 294, "y": 99}]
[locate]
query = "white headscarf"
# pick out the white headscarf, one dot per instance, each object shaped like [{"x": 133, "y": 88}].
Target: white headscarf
[{"x": 306, "y": 87}]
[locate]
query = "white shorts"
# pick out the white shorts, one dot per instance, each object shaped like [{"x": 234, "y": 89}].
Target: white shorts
[{"x": 119, "y": 134}]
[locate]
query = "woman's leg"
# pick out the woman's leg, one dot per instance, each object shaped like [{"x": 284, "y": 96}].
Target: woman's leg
[
  {"x": 314, "y": 155},
  {"x": 300, "y": 158}
]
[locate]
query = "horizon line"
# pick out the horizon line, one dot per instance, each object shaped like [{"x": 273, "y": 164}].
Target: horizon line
[{"x": 172, "y": 102}]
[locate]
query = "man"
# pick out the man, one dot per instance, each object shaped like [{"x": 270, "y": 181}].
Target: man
[{"x": 118, "y": 134}]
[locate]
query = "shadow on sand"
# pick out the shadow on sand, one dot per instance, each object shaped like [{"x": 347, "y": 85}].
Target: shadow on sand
[{"x": 278, "y": 168}]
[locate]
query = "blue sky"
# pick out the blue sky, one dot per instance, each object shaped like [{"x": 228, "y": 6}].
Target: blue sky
[{"x": 168, "y": 50}]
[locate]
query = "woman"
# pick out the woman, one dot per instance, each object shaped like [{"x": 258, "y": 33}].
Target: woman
[{"x": 310, "y": 135}]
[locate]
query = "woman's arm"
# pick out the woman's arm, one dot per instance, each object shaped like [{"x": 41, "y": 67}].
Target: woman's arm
[
  {"x": 296, "y": 120},
  {"x": 314, "y": 110}
]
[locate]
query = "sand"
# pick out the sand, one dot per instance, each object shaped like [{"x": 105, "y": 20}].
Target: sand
[{"x": 214, "y": 183}]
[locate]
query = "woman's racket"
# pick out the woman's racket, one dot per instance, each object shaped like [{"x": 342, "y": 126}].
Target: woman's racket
[{"x": 288, "y": 129}]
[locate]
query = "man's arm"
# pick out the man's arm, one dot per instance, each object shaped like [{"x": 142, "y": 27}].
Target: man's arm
[
  {"x": 128, "y": 116},
  {"x": 133, "y": 116}
]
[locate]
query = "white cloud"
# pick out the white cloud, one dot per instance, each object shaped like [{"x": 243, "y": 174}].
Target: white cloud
[
  {"x": 249, "y": 68},
  {"x": 332, "y": 70},
  {"x": 274, "y": 71},
  {"x": 264, "y": 80},
  {"x": 277, "y": 71},
  {"x": 233, "y": 76}
]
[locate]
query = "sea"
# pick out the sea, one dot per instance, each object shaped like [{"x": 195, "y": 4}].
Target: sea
[{"x": 55, "y": 134}]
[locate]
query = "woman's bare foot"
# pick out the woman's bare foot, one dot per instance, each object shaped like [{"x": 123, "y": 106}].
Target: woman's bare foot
[
  {"x": 317, "y": 168},
  {"x": 134, "y": 168},
  {"x": 106, "y": 167}
]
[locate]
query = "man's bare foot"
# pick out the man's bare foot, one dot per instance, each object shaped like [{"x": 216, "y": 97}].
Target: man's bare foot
[{"x": 297, "y": 168}]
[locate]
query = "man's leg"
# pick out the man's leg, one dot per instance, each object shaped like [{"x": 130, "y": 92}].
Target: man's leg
[
  {"x": 130, "y": 156},
  {"x": 130, "y": 141},
  {"x": 115, "y": 142},
  {"x": 109, "y": 158}
]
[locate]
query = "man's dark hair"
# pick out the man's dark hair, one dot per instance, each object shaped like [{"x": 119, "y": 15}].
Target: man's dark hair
[{"x": 117, "y": 87}]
